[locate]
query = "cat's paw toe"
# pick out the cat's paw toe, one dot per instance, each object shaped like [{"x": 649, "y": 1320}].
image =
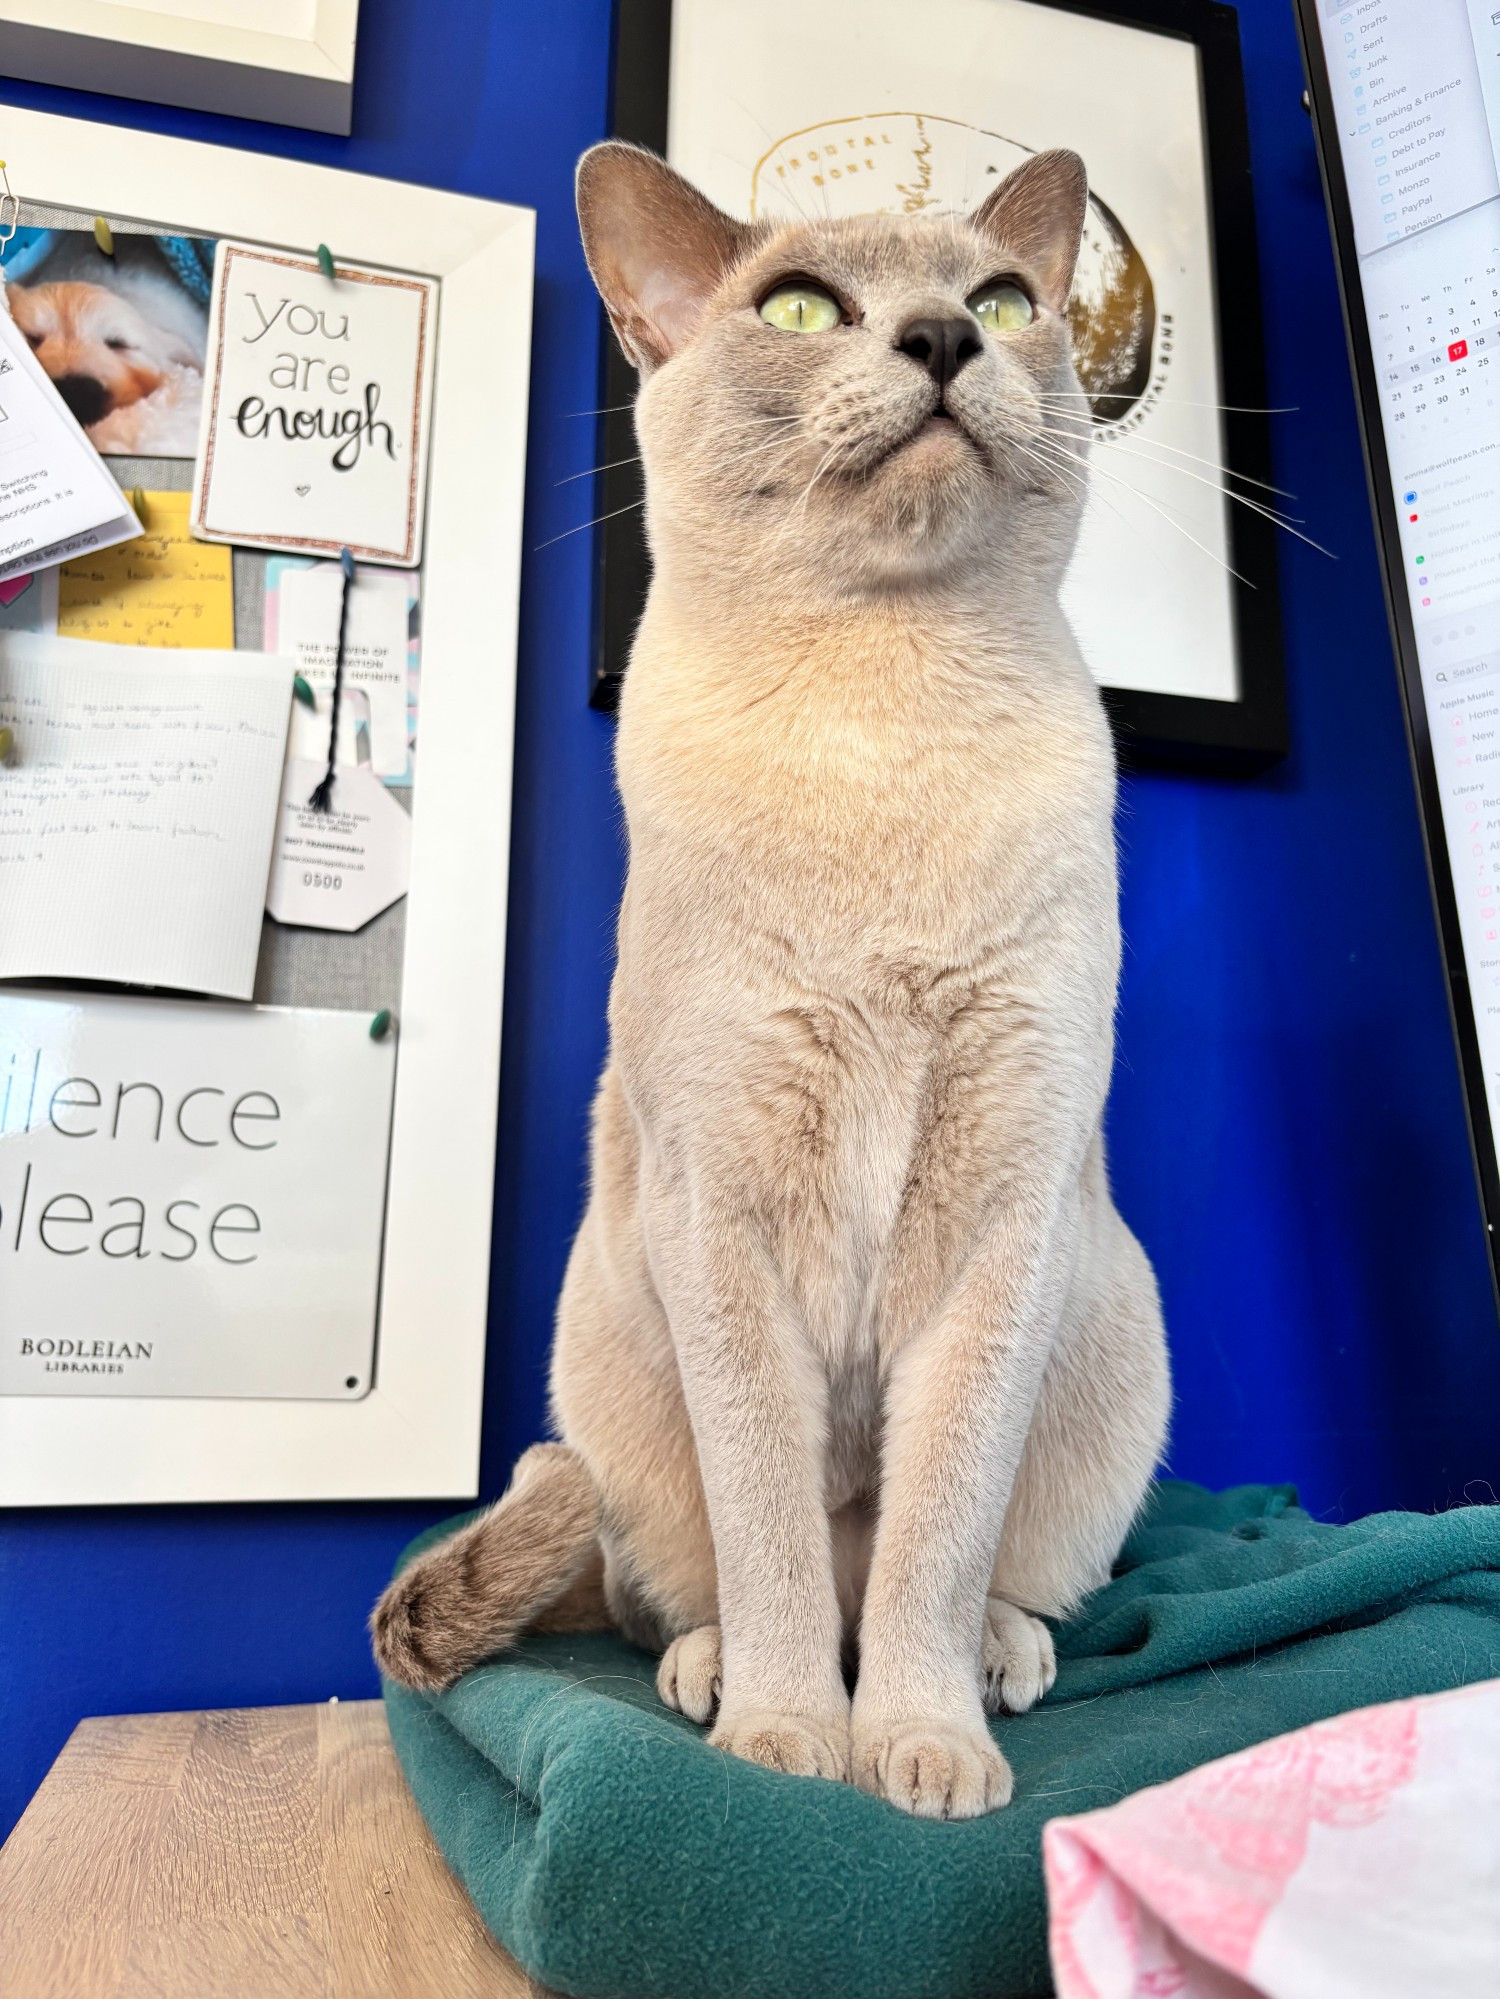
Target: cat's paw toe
[
  {"x": 1017, "y": 1661},
  {"x": 932, "y": 1769},
  {"x": 405, "y": 1628},
  {"x": 802, "y": 1745},
  {"x": 689, "y": 1677}
]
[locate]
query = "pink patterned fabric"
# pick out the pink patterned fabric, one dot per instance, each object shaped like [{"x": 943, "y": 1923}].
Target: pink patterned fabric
[{"x": 1358, "y": 1857}]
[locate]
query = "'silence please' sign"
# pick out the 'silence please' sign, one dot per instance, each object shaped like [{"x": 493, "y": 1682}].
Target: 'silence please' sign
[{"x": 191, "y": 1198}]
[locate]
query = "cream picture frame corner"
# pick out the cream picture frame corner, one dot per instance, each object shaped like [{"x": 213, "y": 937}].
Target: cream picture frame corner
[
  {"x": 289, "y": 67},
  {"x": 416, "y": 1433}
]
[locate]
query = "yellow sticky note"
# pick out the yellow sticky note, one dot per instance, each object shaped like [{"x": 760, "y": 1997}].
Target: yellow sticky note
[{"x": 162, "y": 589}]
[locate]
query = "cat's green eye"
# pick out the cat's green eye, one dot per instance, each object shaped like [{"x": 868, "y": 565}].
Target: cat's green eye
[
  {"x": 801, "y": 307},
  {"x": 1001, "y": 307}
]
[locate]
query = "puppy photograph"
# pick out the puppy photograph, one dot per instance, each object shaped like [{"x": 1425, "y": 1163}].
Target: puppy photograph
[{"x": 122, "y": 337}]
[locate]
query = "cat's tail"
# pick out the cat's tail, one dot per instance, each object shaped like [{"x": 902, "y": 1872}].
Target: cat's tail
[{"x": 532, "y": 1562}]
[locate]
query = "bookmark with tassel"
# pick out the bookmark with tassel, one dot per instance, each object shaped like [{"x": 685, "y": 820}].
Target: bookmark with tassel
[{"x": 322, "y": 798}]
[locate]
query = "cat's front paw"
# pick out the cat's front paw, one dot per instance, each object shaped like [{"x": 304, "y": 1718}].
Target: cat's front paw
[
  {"x": 932, "y": 1769},
  {"x": 690, "y": 1676},
  {"x": 1017, "y": 1662},
  {"x": 803, "y": 1745}
]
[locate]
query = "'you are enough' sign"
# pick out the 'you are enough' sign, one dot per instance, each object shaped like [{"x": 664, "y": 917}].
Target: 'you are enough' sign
[{"x": 318, "y": 406}]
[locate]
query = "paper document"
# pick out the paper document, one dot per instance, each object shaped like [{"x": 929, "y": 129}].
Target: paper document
[
  {"x": 162, "y": 589},
  {"x": 137, "y": 811},
  {"x": 57, "y": 496}
]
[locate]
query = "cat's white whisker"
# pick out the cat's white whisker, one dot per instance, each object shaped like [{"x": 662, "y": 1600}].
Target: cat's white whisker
[
  {"x": 1138, "y": 441},
  {"x": 582, "y": 525},
  {"x": 1026, "y": 450},
  {"x": 1177, "y": 451},
  {"x": 1087, "y": 492},
  {"x": 614, "y": 464},
  {"x": 1182, "y": 403},
  {"x": 1059, "y": 451},
  {"x": 1272, "y": 514},
  {"x": 799, "y": 507},
  {"x": 784, "y": 427},
  {"x": 787, "y": 187},
  {"x": 1094, "y": 495},
  {"x": 1164, "y": 511},
  {"x": 611, "y": 465}
]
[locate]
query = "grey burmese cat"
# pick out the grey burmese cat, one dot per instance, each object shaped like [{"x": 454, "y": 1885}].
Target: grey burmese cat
[{"x": 854, "y": 1351}]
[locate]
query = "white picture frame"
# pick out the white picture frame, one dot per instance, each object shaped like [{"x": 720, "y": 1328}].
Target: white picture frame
[
  {"x": 295, "y": 66},
  {"x": 416, "y": 1434}
]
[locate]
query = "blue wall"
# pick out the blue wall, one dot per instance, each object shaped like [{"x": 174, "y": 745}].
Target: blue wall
[{"x": 1287, "y": 1127}]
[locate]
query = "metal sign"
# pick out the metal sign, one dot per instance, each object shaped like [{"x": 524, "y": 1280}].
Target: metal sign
[{"x": 191, "y": 1198}]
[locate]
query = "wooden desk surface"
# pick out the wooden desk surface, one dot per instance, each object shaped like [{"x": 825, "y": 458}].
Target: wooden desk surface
[{"x": 258, "y": 1853}]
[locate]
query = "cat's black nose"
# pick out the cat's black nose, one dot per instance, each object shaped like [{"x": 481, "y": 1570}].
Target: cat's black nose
[{"x": 943, "y": 346}]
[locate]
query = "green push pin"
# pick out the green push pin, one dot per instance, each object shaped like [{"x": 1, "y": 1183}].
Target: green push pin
[
  {"x": 382, "y": 1024},
  {"x": 104, "y": 236},
  {"x": 325, "y": 261},
  {"x": 138, "y": 503},
  {"x": 303, "y": 692},
  {"x": 7, "y": 744}
]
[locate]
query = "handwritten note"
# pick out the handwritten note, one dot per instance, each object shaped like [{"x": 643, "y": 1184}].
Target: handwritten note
[
  {"x": 162, "y": 589},
  {"x": 137, "y": 811}
]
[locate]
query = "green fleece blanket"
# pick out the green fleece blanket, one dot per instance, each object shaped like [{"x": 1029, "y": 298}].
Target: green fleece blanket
[{"x": 619, "y": 1857}]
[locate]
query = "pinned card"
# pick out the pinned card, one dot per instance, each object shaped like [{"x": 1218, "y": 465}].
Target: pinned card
[
  {"x": 335, "y": 870},
  {"x": 320, "y": 655},
  {"x": 307, "y": 610},
  {"x": 162, "y": 589},
  {"x": 316, "y": 419}
]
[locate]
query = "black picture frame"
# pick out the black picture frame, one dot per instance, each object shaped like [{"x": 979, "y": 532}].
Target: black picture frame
[
  {"x": 1179, "y": 731},
  {"x": 1403, "y": 631}
]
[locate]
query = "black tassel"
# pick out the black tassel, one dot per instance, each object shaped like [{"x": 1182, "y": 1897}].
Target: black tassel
[{"x": 322, "y": 798}]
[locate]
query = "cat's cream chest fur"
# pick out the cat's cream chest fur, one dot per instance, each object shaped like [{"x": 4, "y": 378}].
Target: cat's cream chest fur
[
  {"x": 897, "y": 830},
  {"x": 882, "y": 781}
]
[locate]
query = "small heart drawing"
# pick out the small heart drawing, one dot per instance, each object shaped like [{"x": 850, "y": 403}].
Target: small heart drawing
[{"x": 304, "y": 489}]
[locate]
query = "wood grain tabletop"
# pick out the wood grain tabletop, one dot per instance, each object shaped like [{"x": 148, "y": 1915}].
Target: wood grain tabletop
[{"x": 254, "y": 1853}]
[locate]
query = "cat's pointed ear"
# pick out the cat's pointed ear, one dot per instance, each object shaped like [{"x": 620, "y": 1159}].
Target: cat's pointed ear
[
  {"x": 657, "y": 248},
  {"x": 1036, "y": 215}
]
